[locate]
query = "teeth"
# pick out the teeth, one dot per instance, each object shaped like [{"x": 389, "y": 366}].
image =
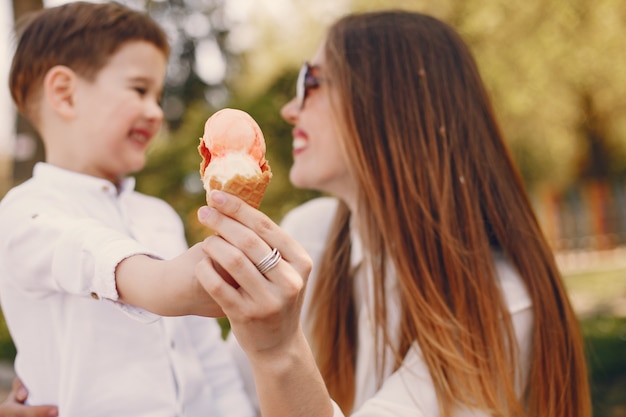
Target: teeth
[
  {"x": 299, "y": 143},
  {"x": 139, "y": 137}
]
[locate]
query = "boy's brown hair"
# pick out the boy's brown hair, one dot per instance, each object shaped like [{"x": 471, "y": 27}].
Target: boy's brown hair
[{"x": 82, "y": 36}]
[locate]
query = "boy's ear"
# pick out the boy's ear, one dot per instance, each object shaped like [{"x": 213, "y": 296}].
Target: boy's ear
[{"x": 59, "y": 86}]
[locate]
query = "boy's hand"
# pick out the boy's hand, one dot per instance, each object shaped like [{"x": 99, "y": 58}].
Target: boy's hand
[
  {"x": 14, "y": 406},
  {"x": 166, "y": 288}
]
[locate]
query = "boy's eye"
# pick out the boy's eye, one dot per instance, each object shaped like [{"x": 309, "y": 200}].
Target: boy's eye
[{"x": 142, "y": 91}]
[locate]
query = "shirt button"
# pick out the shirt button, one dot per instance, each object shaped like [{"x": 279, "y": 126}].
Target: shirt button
[
  {"x": 105, "y": 188},
  {"x": 94, "y": 296},
  {"x": 172, "y": 344}
]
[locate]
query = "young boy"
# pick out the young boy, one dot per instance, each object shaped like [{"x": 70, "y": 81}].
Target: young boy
[{"x": 89, "y": 77}]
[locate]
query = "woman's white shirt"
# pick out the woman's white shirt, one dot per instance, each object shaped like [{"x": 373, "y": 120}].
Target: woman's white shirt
[{"x": 407, "y": 391}]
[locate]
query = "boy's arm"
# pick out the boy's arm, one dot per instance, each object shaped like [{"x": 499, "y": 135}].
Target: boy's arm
[
  {"x": 165, "y": 287},
  {"x": 45, "y": 250}
]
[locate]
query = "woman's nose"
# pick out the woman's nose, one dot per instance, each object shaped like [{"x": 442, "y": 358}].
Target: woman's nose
[{"x": 290, "y": 111}]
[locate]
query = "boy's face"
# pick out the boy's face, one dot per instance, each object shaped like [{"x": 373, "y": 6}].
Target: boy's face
[{"x": 119, "y": 113}]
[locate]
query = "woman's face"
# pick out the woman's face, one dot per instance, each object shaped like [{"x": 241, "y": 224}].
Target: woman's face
[{"x": 318, "y": 160}]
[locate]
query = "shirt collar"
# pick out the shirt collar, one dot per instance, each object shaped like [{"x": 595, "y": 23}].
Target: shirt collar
[
  {"x": 74, "y": 180},
  {"x": 356, "y": 253}
]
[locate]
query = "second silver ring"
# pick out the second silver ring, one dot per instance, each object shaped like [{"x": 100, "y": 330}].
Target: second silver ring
[{"x": 269, "y": 262}]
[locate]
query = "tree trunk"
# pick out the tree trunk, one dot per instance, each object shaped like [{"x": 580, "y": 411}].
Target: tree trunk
[
  {"x": 21, "y": 7},
  {"x": 596, "y": 163},
  {"x": 29, "y": 148}
]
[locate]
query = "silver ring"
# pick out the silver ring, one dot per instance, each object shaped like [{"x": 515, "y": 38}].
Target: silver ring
[{"x": 269, "y": 262}]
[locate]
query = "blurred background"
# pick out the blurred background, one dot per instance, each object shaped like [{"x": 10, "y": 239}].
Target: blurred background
[{"x": 556, "y": 70}]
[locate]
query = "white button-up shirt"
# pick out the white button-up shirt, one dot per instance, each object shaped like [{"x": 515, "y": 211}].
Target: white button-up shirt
[
  {"x": 62, "y": 235},
  {"x": 408, "y": 391}
]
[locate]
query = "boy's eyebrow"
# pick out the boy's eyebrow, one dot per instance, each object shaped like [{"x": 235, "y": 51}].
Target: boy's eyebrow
[{"x": 141, "y": 78}]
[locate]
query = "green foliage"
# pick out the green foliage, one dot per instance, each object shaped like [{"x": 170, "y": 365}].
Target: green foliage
[
  {"x": 606, "y": 347},
  {"x": 606, "y": 344},
  {"x": 7, "y": 348}
]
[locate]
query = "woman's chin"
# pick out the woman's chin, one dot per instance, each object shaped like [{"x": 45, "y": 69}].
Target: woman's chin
[{"x": 299, "y": 179}]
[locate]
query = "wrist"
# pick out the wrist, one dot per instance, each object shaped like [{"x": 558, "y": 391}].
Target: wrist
[
  {"x": 279, "y": 360},
  {"x": 288, "y": 381}
]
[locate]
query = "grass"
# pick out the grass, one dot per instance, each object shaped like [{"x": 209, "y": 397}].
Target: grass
[
  {"x": 598, "y": 292},
  {"x": 599, "y": 297},
  {"x": 605, "y": 337}
]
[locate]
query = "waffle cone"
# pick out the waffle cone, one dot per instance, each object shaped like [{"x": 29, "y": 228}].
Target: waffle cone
[{"x": 249, "y": 189}]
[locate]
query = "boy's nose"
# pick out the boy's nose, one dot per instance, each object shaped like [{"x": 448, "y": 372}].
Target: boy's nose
[{"x": 153, "y": 110}]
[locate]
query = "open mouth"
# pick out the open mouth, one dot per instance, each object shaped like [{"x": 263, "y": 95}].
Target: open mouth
[
  {"x": 299, "y": 144},
  {"x": 140, "y": 137}
]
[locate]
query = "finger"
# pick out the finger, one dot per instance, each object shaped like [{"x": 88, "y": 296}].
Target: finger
[
  {"x": 13, "y": 405},
  {"x": 256, "y": 298},
  {"x": 225, "y": 275},
  {"x": 231, "y": 263},
  {"x": 263, "y": 226},
  {"x": 39, "y": 411},
  {"x": 251, "y": 231},
  {"x": 18, "y": 390},
  {"x": 236, "y": 233},
  {"x": 19, "y": 410},
  {"x": 221, "y": 291},
  {"x": 283, "y": 282}
]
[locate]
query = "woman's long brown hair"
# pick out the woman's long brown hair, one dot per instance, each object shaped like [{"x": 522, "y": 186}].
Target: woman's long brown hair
[{"x": 438, "y": 194}]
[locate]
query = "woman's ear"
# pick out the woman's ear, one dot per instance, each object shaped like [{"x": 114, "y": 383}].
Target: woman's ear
[{"x": 59, "y": 86}]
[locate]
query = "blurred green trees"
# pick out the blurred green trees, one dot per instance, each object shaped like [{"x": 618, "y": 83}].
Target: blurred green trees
[{"x": 556, "y": 72}]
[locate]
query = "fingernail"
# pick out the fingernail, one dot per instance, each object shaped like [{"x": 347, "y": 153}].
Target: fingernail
[
  {"x": 203, "y": 212},
  {"x": 218, "y": 197},
  {"x": 53, "y": 413},
  {"x": 21, "y": 393}
]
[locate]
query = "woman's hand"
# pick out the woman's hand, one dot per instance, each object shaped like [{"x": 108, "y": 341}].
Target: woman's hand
[
  {"x": 14, "y": 406},
  {"x": 263, "y": 309}
]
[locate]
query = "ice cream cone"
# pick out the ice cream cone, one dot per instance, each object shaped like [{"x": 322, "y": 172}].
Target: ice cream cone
[
  {"x": 249, "y": 189},
  {"x": 233, "y": 156}
]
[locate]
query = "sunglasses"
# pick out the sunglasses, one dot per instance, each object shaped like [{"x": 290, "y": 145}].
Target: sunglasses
[{"x": 306, "y": 82}]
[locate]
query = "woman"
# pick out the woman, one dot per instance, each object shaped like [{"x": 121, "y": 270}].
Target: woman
[{"x": 435, "y": 293}]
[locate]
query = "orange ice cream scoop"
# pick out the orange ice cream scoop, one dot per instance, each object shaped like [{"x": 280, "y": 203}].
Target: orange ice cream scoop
[{"x": 233, "y": 156}]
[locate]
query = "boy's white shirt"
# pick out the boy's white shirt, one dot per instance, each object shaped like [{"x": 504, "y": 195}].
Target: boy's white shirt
[
  {"x": 409, "y": 391},
  {"x": 61, "y": 236}
]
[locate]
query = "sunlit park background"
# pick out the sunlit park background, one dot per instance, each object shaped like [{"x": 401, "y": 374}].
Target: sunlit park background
[{"x": 556, "y": 70}]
